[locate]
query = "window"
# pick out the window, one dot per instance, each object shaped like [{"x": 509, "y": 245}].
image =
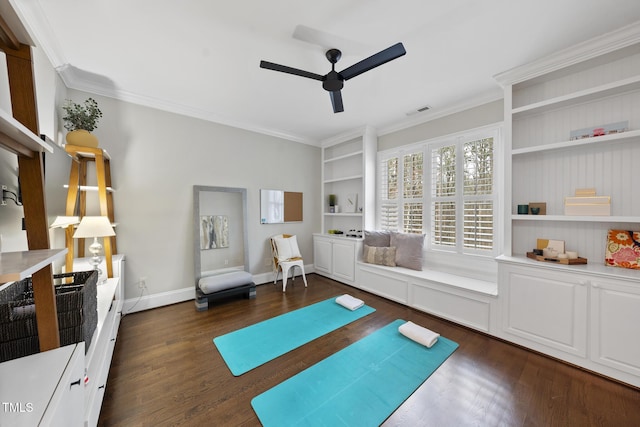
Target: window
[{"x": 444, "y": 188}]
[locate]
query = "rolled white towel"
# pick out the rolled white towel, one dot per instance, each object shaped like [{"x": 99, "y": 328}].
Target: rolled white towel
[
  {"x": 349, "y": 302},
  {"x": 419, "y": 334}
]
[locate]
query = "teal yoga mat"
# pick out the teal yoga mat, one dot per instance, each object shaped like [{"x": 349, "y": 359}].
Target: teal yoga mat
[
  {"x": 360, "y": 385},
  {"x": 250, "y": 347}
]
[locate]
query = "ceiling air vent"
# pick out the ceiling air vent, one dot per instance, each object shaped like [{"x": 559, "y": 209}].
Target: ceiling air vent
[{"x": 419, "y": 110}]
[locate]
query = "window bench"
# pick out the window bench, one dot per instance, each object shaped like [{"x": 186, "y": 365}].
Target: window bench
[{"x": 457, "y": 298}]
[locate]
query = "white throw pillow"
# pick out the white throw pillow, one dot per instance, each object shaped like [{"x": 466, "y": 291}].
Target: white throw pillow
[{"x": 287, "y": 248}]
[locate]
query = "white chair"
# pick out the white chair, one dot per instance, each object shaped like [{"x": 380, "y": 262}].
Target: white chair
[{"x": 286, "y": 256}]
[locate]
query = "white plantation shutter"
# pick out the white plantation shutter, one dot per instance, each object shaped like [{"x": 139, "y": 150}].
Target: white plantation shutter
[
  {"x": 443, "y": 220},
  {"x": 444, "y": 188},
  {"x": 388, "y": 209},
  {"x": 443, "y": 196},
  {"x": 478, "y": 225},
  {"x": 412, "y": 192},
  {"x": 478, "y": 194},
  {"x": 412, "y": 217}
]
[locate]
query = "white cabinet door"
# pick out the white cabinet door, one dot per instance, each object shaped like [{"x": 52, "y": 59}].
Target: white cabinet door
[
  {"x": 322, "y": 254},
  {"x": 615, "y": 316},
  {"x": 335, "y": 257},
  {"x": 66, "y": 408},
  {"x": 545, "y": 308},
  {"x": 344, "y": 260},
  {"x": 43, "y": 389}
]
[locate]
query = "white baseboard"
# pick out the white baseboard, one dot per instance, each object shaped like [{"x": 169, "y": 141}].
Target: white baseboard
[{"x": 147, "y": 302}]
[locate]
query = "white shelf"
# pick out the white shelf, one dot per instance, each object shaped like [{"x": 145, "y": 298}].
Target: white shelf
[
  {"x": 346, "y": 178},
  {"x": 575, "y": 218},
  {"x": 20, "y": 134},
  {"x": 19, "y": 265},
  {"x": 593, "y": 267},
  {"x": 345, "y": 156},
  {"x": 343, "y": 214},
  {"x": 609, "y": 89},
  {"x": 75, "y": 151},
  {"x": 616, "y": 137},
  {"x": 91, "y": 188}
]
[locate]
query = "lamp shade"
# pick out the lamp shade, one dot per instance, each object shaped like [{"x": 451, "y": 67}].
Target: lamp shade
[
  {"x": 65, "y": 221},
  {"x": 94, "y": 226}
]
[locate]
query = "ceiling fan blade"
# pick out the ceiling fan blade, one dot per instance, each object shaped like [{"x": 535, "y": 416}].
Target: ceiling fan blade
[
  {"x": 290, "y": 70},
  {"x": 382, "y": 57},
  {"x": 336, "y": 101}
]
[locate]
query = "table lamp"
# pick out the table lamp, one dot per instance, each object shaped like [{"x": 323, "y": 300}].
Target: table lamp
[
  {"x": 95, "y": 226},
  {"x": 67, "y": 223}
]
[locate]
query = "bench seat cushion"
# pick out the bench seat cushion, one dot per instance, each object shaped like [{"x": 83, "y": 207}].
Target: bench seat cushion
[{"x": 220, "y": 282}]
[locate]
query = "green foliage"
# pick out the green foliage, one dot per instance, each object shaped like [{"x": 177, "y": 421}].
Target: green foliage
[{"x": 81, "y": 116}]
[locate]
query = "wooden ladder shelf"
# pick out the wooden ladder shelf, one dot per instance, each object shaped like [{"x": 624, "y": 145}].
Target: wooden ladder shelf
[{"x": 77, "y": 198}]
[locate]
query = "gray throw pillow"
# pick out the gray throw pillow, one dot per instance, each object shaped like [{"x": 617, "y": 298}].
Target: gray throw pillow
[
  {"x": 380, "y": 238},
  {"x": 380, "y": 255},
  {"x": 408, "y": 249}
]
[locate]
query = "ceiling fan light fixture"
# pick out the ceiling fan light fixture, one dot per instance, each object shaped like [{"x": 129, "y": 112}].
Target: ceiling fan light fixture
[{"x": 333, "y": 81}]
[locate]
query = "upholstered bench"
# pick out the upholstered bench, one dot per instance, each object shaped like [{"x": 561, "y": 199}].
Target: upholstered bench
[{"x": 212, "y": 288}]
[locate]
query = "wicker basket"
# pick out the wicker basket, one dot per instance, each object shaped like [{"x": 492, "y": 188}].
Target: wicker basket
[{"x": 77, "y": 313}]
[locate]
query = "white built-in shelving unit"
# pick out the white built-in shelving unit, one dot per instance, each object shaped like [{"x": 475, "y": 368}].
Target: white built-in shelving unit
[
  {"x": 583, "y": 314},
  {"x": 348, "y": 168},
  {"x": 593, "y": 87}
]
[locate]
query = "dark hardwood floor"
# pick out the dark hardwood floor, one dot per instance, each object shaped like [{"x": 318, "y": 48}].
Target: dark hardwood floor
[{"x": 166, "y": 370}]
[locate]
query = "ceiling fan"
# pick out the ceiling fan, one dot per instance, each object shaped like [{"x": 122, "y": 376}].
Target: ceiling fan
[{"x": 333, "y": 81}]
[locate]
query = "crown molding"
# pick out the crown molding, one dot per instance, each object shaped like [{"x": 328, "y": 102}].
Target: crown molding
[
  {"x": 348, "y": 135},
  {"x": 37, "y": 26},
  {"x": 77, "y": 79},
  {"x": 589, "y": 49}
]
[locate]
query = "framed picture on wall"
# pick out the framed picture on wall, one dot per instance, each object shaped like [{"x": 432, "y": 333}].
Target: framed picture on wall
[{"x": 214, "y": 232}]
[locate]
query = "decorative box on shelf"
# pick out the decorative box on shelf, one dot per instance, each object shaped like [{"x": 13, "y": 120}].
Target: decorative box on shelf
[
  {"x": 601, "y": 130},
  {"x": 76, "y": 304},
  {"x": 557, "y": 260},
  {"x": 586, "y": 203}
]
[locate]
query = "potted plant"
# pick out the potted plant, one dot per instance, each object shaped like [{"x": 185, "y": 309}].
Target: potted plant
[
  {"x": 332, "y": 203},
  {"x": 80, "y": 120}
]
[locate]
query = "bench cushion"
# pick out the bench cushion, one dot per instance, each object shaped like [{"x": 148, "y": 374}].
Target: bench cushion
[{"x": 220, "y": 282}]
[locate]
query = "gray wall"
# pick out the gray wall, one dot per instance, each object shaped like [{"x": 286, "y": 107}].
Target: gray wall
[{"x": 157, "y": 157}]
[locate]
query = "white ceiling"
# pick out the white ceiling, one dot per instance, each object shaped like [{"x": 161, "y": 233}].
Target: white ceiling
[{"x": 201, "y": 57}]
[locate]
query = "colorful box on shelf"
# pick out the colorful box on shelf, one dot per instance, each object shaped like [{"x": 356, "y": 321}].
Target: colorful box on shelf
[
  {"x": 608, "y": 129},
  {"x": 586, "y": 203}
]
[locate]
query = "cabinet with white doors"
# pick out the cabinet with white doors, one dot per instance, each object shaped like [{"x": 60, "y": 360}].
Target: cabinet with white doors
[
  {"x": 335, "y": 257},
  {"x": 348, "y": 174},
  {"x": 97, "y": 360},
  {"x": 586, "y": 316},
  {"x": 544, "y": 309},
  {"x": 615, "y": 316},
  {"x": 583, "y": 314},
  {"x": 44, "y": 389}
]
